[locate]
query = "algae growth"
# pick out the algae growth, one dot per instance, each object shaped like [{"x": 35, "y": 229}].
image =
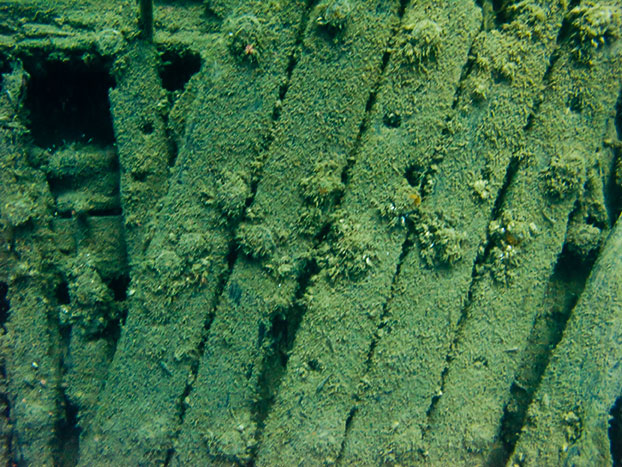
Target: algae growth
[{"x": 310, "y": 232}]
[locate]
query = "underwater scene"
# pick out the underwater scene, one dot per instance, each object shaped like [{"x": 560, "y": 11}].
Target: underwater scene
[{"x": 310, "y": 233}]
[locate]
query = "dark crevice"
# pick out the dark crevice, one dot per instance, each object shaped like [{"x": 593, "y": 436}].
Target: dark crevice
[
  {"x": 282, "y": 334},
  {"x": 4, "y": 305},
  {"x": 65, "y": 443},
  {"x": 615, "y": 432},
  {"x": 448, "y": 358},
  {"x": 146, "y": 127},
  {"x": 67, "y": 101},
  {"x": 495, "y": 13},
  {"x": 276, "y": 111},
  {"x": 563, "y": 291},
  {"x": 468, "y": 66},
  {"x": 406, "y": 247},
  {"x": 112, "y": 332},
  {"x": 6, "y": 439},
  {"x": 68, "y": 432},
  {"x": 501, "y": 11},
  {"x": 62, "y": 293},
  {"x": 565, "y": 32},
  {"x": 498, "y": 7},
  {"x": 118, "y": 285},
  {"x": 400, "y": 12},
  {"x": 291, "y": 65},
  {"x": 5, "y": 406},
  {"x": 347, "y": 432},
  {"x": 5, "y": 67},
  {"x": 546, "y": 80},
  {"x": 67, "y": 105},
  {"x": 464, "y": 74},
  {"x": 418, "y": 177},
  {"x": 172, "y": 147},
  {"x": 371, "y": 100},
  {"x": 116, "y": 211},
  {"x": 177, "y": 67},
  {"x": 394, "y": 121},
  {"x": 145, "y": 19}
]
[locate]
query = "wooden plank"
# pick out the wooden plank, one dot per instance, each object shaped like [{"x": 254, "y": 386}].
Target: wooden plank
[
  {"x": 345, "y": 301},
  {"x": 526, "y": 239},
  {"x": 173, "y": 292},
  {"x": 316, "y": 134}
]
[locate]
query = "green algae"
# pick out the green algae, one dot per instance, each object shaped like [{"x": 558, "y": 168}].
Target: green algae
[{"x": 322, "y": 232}]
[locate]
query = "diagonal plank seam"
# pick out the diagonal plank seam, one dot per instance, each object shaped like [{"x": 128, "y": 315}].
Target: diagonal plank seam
[
  {"x": 511, "y": 170},
  {"x": 233, "y": 249},
  {"x": 305, "y": 280}
]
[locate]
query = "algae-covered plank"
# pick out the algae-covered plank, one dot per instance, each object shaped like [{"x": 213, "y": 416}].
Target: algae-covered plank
[
  {"x": 67, "y": 16},
  {"x": 569, "y": 418},
  {"x": 345, "y": 301},
  {"x": 136, "y": 108},
  {"x": 450, "y": 227},
  {"x": 174, "y": 289},
  {"x": 324, "y": 106},
  {"x": 93, "y": 260},
  {"x": 30, "y": 346},
  {"x": 526, "y": 239},
  {"x": 139, "y": 106},
  {"x": 143, "y": 156}
]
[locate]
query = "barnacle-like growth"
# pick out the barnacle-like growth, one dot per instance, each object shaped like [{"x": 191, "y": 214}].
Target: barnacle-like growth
[
  {"x": 351, "y": 251},
  {"x": 231, "y": 194},
  {"x": 565, "y": 174},
  {"x": 495, "y": 57},
  {"x": 440, "y": 242},
  {"x": 593, "y": 26},
  {"x": 583, "y": 240},
  {"x": 324, "y": 185},
  {"x": 256, "y": 240},
  {"x": 419, "y": 42},
  {"x": 506, "y": 230},
  {"x": 92, "y": 305},
  {"x": 168, "y": 265},
  {"x": 403, "y": 202},
  {"x": 333, "y": 14},
  {"x": 481, "y": 189},
  {"x": 245, "y": 38},
  {"x": 525, "y": 19},
  {"x": 507, "y": 234}
]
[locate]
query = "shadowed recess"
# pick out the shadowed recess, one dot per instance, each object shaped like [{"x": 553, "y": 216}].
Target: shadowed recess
[
  {"x": 68, "y": 101},
  {"x": 177, "y": 67},
  {"x": 4, "y": 304},
  {"x": 615, "y": 432}
]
